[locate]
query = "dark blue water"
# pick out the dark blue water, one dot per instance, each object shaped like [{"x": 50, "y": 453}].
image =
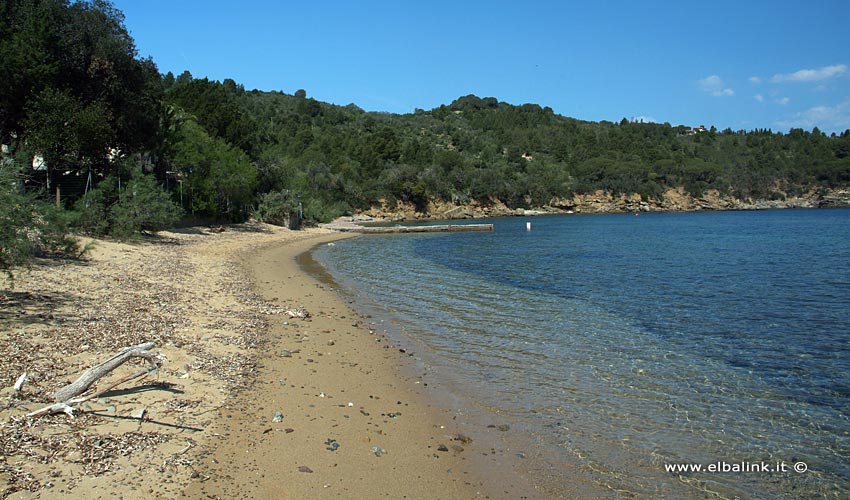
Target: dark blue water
[{"x": 627, "y": 343}]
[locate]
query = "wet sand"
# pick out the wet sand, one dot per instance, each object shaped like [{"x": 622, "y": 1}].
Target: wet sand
[{"x": 344, "y": 394}]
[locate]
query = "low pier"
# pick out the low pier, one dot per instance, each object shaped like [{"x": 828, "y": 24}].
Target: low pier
[{"x": 442, "y": 228}]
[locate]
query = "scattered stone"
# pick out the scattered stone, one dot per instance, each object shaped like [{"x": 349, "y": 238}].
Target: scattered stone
[
  {"x": 378, "y": 451},
  {"x": 289, "y": 430},
  {"x": 442, "y": 447},
  {"x": 286, "y": 354},
  {"x": 304, "y": 468},
  {"x": 462, "y": 438},
  {"x": 278, "y": 417},
  {"x": 333, "y": 445},
  {"x": 331, "y": 342}
]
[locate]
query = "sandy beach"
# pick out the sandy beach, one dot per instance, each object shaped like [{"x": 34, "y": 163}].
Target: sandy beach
[{"x": 248, "y": 403}]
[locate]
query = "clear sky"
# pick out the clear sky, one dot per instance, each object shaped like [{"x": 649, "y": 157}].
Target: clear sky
[{"x": 741, "y": 64}]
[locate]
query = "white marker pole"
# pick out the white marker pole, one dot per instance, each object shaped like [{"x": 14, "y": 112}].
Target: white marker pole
[{"x": 528, "y": 226}]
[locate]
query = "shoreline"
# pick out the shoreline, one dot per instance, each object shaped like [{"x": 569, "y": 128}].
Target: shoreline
[
  {"x": 344, "y": 394},
  {"x": 214, "y": 302}
]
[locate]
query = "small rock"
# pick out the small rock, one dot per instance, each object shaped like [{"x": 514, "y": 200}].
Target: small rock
[
  {"x": 304, "y": 468},
  {"x": 286, "y": 354},
  {"x": 378, "y": 451},
  {"x": 289, "y": 430},
  {"x": 504, "y": 427},
  {"x": 331, "y": 342},
  {"x": 462, "y": 438},
  {"x": 442, "y": 447},
  {"x": 278, "y": 417}
]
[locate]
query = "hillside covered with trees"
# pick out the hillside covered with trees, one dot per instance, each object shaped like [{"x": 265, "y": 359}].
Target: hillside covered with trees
[{"x": 85, "y": 121}]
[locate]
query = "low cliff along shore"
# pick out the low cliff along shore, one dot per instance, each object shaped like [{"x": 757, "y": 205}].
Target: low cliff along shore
[
  {"x": 255, "y": 380},
  {"x": 603, "y": 202}
]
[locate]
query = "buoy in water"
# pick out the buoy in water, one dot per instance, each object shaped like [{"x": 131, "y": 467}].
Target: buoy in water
[{"x": 528, "y": 226}]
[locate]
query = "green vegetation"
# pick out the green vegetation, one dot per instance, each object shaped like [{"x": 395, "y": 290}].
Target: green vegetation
[
  {"x": 130, "y": 149},
  {"x": 29, "y": 226}
]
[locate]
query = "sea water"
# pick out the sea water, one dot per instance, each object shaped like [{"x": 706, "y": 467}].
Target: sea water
[{"x": 637, "y": 346}]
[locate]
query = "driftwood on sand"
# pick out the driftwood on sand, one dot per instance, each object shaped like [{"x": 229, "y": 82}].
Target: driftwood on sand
[{"x": 65, "y": 397}]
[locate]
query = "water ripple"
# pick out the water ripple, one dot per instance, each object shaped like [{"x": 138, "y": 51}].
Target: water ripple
[{"x": 661, "y": 339}]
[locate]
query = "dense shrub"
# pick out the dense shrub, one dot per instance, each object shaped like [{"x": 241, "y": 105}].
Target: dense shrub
[
  {"x": 276, "y": 207},
  {"x": 29, "y": 226},
  {"x": 138, "y": 206}
]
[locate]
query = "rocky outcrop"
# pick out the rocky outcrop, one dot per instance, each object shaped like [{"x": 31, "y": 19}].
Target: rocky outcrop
[
  {"x": 441, "y": 210},
  {"x": 834, "y": 199},
  {"x": 672, "y": 200}
]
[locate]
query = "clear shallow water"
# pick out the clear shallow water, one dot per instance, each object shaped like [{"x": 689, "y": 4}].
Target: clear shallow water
[{"x": 625, "y": 343}]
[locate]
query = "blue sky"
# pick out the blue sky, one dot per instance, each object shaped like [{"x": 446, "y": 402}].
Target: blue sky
[{"x": 742, "y": 64}]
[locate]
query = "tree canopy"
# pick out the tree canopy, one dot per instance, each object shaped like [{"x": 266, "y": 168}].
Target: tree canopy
[
  {"x": 76, "y": 96},
  {"x": 72, "y": 85}
]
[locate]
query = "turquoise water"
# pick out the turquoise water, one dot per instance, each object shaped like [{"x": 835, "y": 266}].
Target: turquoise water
[{"x": 625, "y": 343}]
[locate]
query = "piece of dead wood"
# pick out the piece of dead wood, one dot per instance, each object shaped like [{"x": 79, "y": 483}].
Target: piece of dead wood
[
  {"x": 18, "y": 385},
  {"x": 298, "y": 312},
  {"x": 65, "y": 397},
  {"x": 95, "y": 373},
  {"x": 68, "y": 406}
]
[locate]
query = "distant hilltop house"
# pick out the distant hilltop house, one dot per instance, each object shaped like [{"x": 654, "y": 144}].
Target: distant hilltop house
[{"x": 696, "y": 130}]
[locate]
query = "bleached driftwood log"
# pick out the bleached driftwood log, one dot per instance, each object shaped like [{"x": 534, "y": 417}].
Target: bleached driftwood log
[
  {"x": 65, "y": 403},
  {"x": 95, "y": 373}
]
